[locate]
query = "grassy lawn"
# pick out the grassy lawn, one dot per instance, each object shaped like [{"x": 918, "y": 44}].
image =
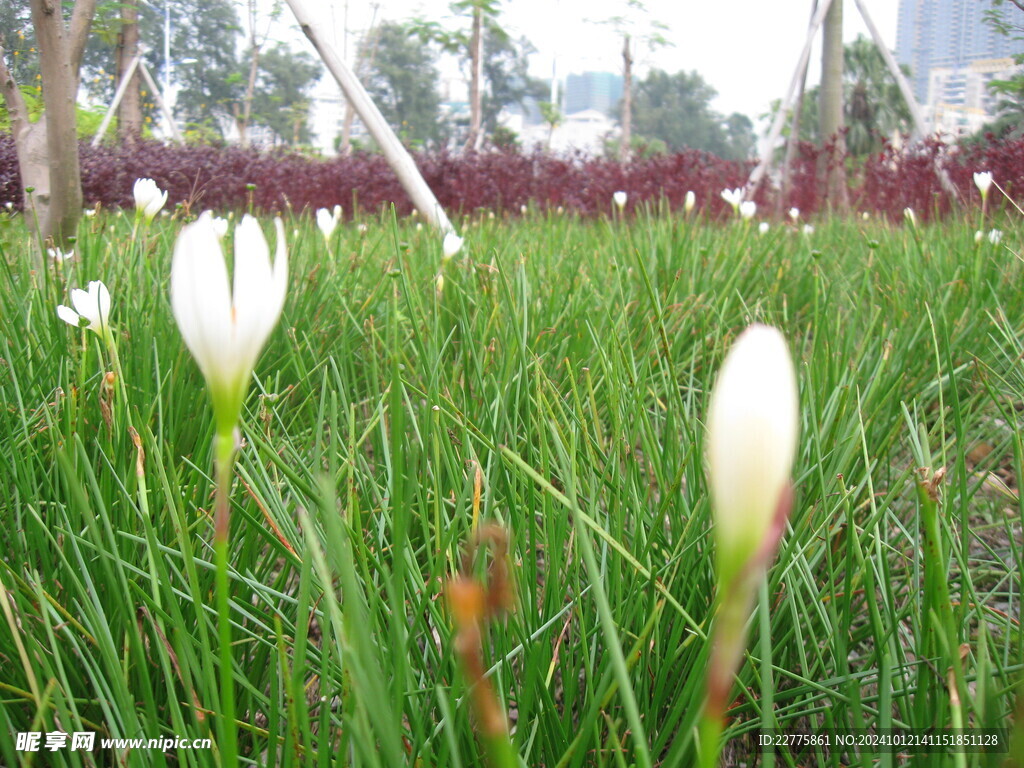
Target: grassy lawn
[{"x": 556, "y": 388}]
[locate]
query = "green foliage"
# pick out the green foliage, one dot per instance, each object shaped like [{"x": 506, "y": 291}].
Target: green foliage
[
  {"x": 504, "y": 137},
  {"x": 18, "y": 39},
  {"x": 281, "y": 100},
  {"x": 506, "y": 74},
  {"x": 87, "y": 119},
  {"x": 1010, "y": 122},
  {"x": 873, "y": 106},
  {"x": 676, "y": 109},
  {"x": 402, "y": 79},
  {"x": 557, "y": 387}
]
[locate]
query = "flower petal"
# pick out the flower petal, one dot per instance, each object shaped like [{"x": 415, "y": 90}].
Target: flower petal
[
  {"x": 68, "y": 315},
  {"x": 200, "y": 297}
]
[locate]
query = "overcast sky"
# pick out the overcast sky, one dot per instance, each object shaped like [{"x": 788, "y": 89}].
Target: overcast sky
[{"x": 745, "y": 49}]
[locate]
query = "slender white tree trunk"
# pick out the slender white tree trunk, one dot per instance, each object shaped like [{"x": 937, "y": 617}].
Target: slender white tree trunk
[
  {"x": 129, "y": 113},
  {"x": 477, "y": 63},
  {"x": 625, "y": 143},
  {"x": 831, "y": 168}
]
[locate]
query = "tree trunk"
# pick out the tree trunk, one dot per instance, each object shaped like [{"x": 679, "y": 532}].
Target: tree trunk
[
  {"x": 129, "y": 112},
  {"x": 48, "y": 149},
  {"x": 626, "y": 140},
  {"x": 477, "y": 63},
  {"x": 61, "y": 207},
  {"x": 831, "y": 165},
  {"x": 365, "y": 57},
  {"x": 243, "y": 121}
]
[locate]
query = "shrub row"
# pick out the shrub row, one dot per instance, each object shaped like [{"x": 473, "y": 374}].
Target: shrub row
[{"x": 224, "y": 178}]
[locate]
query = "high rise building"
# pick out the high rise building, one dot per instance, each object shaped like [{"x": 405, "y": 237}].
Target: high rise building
[
  {"x": 593, "y": 90},
  {"x": 949, "y": 34}
]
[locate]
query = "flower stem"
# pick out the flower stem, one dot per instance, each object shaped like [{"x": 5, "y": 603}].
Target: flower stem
[{"x": 224, "y": 459}]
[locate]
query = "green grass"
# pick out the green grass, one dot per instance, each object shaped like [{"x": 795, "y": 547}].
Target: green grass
[{"x": 568, "y": 364}]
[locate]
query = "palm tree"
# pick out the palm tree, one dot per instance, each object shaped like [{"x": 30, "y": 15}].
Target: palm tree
[{"x": 875, "y": 108}]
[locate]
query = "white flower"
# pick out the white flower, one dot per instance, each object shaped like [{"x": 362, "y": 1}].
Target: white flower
[
  {"x": 559, "y": 210},
  {"x": 620, "y": 199},
  {"x": 148, "y": 198},
  {"x": 336, "y": 213},
  {"x": 327, "y": 221},
  {"x": 865, "y": 215},
  {"x": 747, "y": 209},
  {"x": 994, "y": 236},
  {"x": 689, "y": 201},
  {"x": 983, "y": 181},
  {"x": 978, "y": 235},
  {"x": 419, "y": 226},
  {"x": 225, "y": 327},
  {"x": 451, "y": 245},
  {"x": 220, "y": 226},
  {"x": 9, "y": 205},
  {"x": 753, "y": 421},
  {"x": 523, "y": 209},
  {"x": 808, "y": 229},
  {"x": 794, "y": 213},
  {"x": 89, "y": 212},
  {"x": 490, "y": 214},
  {"x": 439, "y": 283},
  {"x": 733, "y": 197},
  {"x": 91, "y": 309},
  {"x": 762, "y": 228},
  {"x": 57, "y": 256},
  {"x": 910, "y": 216}
]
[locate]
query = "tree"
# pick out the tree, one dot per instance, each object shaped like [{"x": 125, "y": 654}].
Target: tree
[
  {"x": 483, "y": 15},
  {"x": 48, "y": 148},
  {"x": 831, "y": 169},
  {"x": 206, "y": 31},
  {"x": 506, "y": 73},
  {"x": 873, "y": 107},
  {"x": 281, "y": 92},
  {"x": 632, "y": 33},
  {"x": 676, "y": 109},
  {"x": 1010, "y": 121},
  {"x": 129, "y": 111},
  {"x": 403, "y": 82},
  {"x": 552, "y": 116}
]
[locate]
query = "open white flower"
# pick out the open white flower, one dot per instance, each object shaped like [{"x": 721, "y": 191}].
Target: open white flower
[
  {"x": 808, "y": 229},
  {"x": 148, "y": 198},
  {"x": 747, "y": 209},
  {"x": 983, "y": 181},
  {"x": 763, "y": 228},
  {"x": 994, "y": 236},
  {"x": 327, "y": 220},
  {"x": 226, "y": 327},
  {"x": 451, "y": 245},
  {"x": 794, "y": 213},
  {"x": 91, "y": 309},
  {"x": 753, "y": 423},
  {"x": 220, "y": 226},
  {"x": 689, "y": 201},
  {"x": 620, "y": 199},
  {"x": 733, "y": 197}
]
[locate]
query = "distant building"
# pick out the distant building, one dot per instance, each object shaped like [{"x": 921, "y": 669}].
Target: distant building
[
  {"x": 949, "y": 34},
  {"x": 601, "y": 91},
  {"x": 958, "y": 99},
  {"x": 585, "y": 131}
]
